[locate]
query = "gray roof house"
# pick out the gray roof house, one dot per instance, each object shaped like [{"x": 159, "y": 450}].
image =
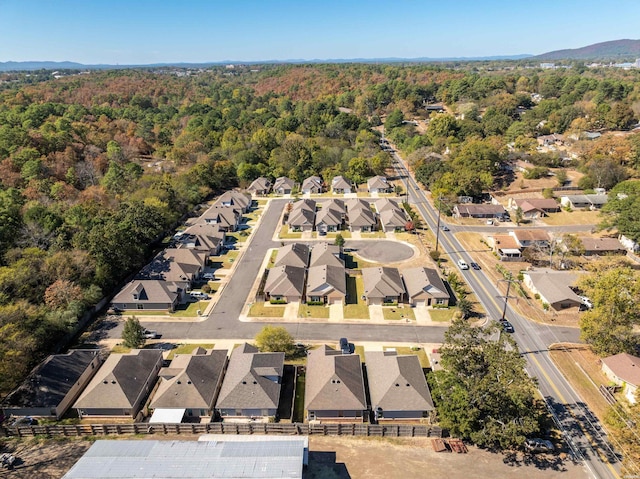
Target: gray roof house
[
  {"x": 175, "y": 264},
  {"x": 54, "y": 385},
  {"x": 150, "y": 295},
  {"x": 283, "y": 185},
  {"x": 592, "y": 202},
  {"x": 334, "y": 386},
  {"x": 326, "y": 284},
  {"x": 425, "y": 287},
  {"x": 360, "y": 216},
  {"x": 226, "y": 218},
  {"x": 312, "y": 185},
  {"x": 302, "y": 215},
  {"x": 325, "y": 253},
  {"x": 379, "y": 184},
  {"x": 340, "y": 185},
  {"x": 191, "y": 382},
  {"x": 553, "y": 287},
  {"x": 398, "y": 386},
  {"x": 392, "y": 216},
  {"x": 382, "y": 285},
  {"x": 121, "y": 385},
  {"x": 471, "y": 210},
  {"x": 234, "y": 198},
  {"x": 260, "y": 186},
  {"x": 202, "y": 237},
  {"x": 534, "y": 207},
  {"x": 285, "y": 283},
  {"x": 251, "y": 386},
  {"x": 330, "y": 217},
  {"x": 293, "y": 254},
  {"x": 602, "y": 246}
]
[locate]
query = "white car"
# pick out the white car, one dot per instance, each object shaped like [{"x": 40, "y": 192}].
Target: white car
[
  {"x": 199, "y": 295},
  {"x": 148, "y": 334},
  {"x": 463, "y": 264},
  {"x": 209, "y": 276}
]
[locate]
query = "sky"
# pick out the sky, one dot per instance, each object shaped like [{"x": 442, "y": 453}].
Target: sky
[{"x": 144, "y": 31}]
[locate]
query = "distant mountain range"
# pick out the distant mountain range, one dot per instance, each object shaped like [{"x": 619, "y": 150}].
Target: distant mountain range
[{"x": 613, "y": 50}]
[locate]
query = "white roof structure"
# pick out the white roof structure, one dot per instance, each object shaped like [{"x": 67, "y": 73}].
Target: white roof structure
[
  {"x": 167, "y": 416},
  {"x": 219, "y": 458}
]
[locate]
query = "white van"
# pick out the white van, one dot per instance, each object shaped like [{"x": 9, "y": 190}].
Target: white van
[{"x": 463, "y": 264}]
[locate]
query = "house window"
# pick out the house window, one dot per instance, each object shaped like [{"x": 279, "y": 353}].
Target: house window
[{"x": 440, "y": 301}]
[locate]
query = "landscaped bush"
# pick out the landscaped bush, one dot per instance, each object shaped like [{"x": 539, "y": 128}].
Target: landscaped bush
[
  {"x": 205, "y": 288},
  {"x": 315, "y": 303},
  {"x": 277, "y": 301}
]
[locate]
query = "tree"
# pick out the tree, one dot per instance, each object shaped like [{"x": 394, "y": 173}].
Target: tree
[
  {"x": 518, "y": 216},
  {"x": 339, "y": 241},
  {"x": 275, "y": 339},
  {"x": 483, "y": 393},
  {"x": 409, "y": 226},
  {"x": 133, "y": 333},
  {"x": 561, "y": 177},
  {"x": 394, "y": 119},
  {"x": 465, "y": 306},
  {"x": 609, "y": 326}
]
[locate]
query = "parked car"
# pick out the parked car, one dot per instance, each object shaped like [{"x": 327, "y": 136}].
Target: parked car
[
  {"x": 209, "y": 276},
  {"x": 345, "y": 347},
  {"x": 149, "y": 334},
  {"x": 199, "y": 295},
  {"x": 463, "y": 264},
  {"x": 507, "y": 326},
  {"x": 538, "y": 445},
  {"x": 490, "y": 222},
  {"x": 475, "y": 266}
]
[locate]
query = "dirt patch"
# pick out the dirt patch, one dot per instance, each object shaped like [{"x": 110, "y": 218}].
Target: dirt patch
[{"x": 372, "y": 458}]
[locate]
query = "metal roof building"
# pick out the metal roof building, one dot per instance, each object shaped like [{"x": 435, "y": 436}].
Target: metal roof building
[{"x": 263, "y": 458}]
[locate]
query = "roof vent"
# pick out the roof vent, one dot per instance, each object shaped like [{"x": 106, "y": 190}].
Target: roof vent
[
  {"x": 179, "y": 382},
  {"x": 244, "y": 382}
]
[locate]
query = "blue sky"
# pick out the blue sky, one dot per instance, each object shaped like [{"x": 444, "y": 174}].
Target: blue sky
[{"x": 143, "y": 31}]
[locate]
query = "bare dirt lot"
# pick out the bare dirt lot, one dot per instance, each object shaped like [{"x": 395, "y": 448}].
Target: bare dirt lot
[{"x": 330, "y": 458}]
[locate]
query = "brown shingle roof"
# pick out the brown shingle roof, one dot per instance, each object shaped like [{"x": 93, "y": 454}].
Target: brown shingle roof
[
  {"x": 625, "y": 366},
  {"x": 382, "y": 282},
  {"x": 418, "y": 280},
  {"x": 293, "y": 254}
]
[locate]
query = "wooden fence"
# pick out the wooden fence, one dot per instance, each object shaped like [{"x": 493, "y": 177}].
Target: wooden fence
[{"x": 329, "y": 429}]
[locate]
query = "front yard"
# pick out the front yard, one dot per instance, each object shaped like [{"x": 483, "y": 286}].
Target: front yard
[
  {"x": 442, "y": 315},
  {"x": 356, "y": 307},
  {"x": 266, "y": 310},
  {"x": 313, "y": 311},
  {"x": 398, "y": 313}
]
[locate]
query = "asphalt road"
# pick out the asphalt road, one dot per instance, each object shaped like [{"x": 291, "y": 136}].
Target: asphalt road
[{"x": 581, "y": 429}]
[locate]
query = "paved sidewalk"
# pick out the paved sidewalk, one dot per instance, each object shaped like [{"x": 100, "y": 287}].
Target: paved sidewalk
[
  {"x": 356, "y": 235},
  {"x": 336, "y": 312},
  {"x": 376, "y": 314}
]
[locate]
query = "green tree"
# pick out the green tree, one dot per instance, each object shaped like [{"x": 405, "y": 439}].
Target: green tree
[
  {"x": 518, "y": 216},
  {"x": 483, "y": 393},
  {"x": 339, "y": 241},
  {"x": 394, "y": 119},
  {"x": 609, "y": 326},
  {"x": 133, "y": 333},
  {"x": 275, "y": 339}
]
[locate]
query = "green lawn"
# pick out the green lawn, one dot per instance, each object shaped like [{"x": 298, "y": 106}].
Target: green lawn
[
  {"x": 353, "y": 262},
  {"x": 190, "y": 310},
  {"x": 188, "y": 348},
  {"x": 228, "y": 258},
  {"x": 240, "y": 236},
  {"x": 422, "y": 355},
  {"x": 120, "y": 349},
  {"x": 298, "y": 401},
  {"x": 397, "y": 313},
  {"x": 346, "y": 234},
  {"x": 285, "y": 234},
  {"x": 264, "y": 311},
  {"x": 272, "y": 258},
  {"x": 442, "y": 315},
  {"x": 375, "y": 234},
  {"x": 359, "y": 350},
  {"x": 355, "y": 308},
  {"x": 313, "y": 311}
]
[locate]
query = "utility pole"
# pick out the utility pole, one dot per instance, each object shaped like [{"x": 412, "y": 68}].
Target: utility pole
[{"x": 506, "y": 297}]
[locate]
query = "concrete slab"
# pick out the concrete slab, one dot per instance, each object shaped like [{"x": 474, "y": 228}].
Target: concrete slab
[
  {"x": 291, "y": 311},
  {"x": 356, "y": 235},
  {"x": 336, "y": 312},
  {"x": 374, "y": 194},
  {"x": 307, "y": 235},
  {"x": 422, "y": 315},
  {"x": 391, "y": 235},
  {"x": 376, "y": 314}
]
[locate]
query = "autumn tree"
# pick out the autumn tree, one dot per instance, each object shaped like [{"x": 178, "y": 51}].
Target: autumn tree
[{"x": 61, "y": 293}]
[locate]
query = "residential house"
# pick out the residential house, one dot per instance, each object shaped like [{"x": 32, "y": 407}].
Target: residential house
[
  {"x": 379, "y": 184},
  {"x": 629, "y": 244},
  {"x": 425, "y": 287},
  {"x": 505, "y": 246},
  {"x": 260, "y": 186},
  {"x": 325, "y": 253},
  {"x": 602, "y": 246},
  {"x": 472, "y": 210},
  {"x": 551, "y": 140},
  {"x": 581, "y": 202},
  {"x": 54, "y": 385},
  {"x": 302, "y": 215},
  {"x": 226, "y": 218},
  {"x": 392, "y": 216},
  {"x": 175, "y": 265},
  {"x": 293, "y": 254},
  {"x": 334, "y": 386},
  {"x": 207, "y": 238},
  {"x": 397, "y": 386},
  {"x": 382, "y": 285},
  {"x": 526, "y": 238},
  {"x": 553, "y": 287},
  {"x": 340, "y": 185},
  {"x": 624, "y": 370},
  {"x": 121, "y": 385},
  {"x": 235, "y": 198},
  {"x": 251, "y": 386},
  {"x": 326, "y": 283},
  {"x": 360, "y": 216},
  {"x": 533, "y": 208},
  {"x": 283, "y": 185},
  {"x": 150, "y": 295},
  {"x": 285, "y": 283},
  {"x": 191, "y": 383},
  {"x": 312, "y": 185},
  {"x": 330, "y": 217}
]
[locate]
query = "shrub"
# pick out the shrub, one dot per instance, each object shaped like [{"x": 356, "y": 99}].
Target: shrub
[
  {"x": 205, "y": 288},
  {"x": 278, "y": 301}
]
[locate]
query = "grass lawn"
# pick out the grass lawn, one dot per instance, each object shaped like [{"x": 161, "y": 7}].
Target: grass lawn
[
  {"x": 188, "y": 348},
  {"x": 298, "y": 401},
  {"x": 141, "y": 312},
  {"x": 376, "y": 234},
  {"x": 422, "y": 355},
  {"x": 397, "y": 313},
  {"x": 355, "y": 308},
  {"x": 262, "y": 202},
  {"x": 239, "y": 236},
  {"x": 359, "y": 350},
  {"x": 313, "y": 311},
  {"x": 346, "y": 234},
  {"x": 285, "y": 234},
  {"x": 353, "y": 262},
  {"x": 442, "y": 314},
  {"x": 214, "y": 285},
  {"x": 253, "y": 216},
  {"x": 228, "y": 258},
  {"x": 262, "y": 310},
  {"x": 120, "y": 349},
  {"x": 272, "y": 258},
  {"x": 190, "y": 310},
  {"x": 577, "y": 217}
]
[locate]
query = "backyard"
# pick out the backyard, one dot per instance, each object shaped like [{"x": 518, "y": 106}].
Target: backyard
[{"x": 356, "y": 307}]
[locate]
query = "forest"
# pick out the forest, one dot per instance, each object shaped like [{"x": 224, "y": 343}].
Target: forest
[{"x": 96, "y": 169}]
